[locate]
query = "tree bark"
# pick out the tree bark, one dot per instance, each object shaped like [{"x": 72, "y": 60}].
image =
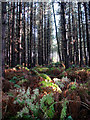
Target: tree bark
[
  {"x": 31, "y": 21},
  {"x": 79, "y": 13},
  {"x": 64, "y": 36},
  {"x": 34, "y": 58},
  {"x": 87, "y": 33},
  {"x": 3, "y": 35},
  {"x": 12, "y": 43},
  {"x": 56, "y": 33}
]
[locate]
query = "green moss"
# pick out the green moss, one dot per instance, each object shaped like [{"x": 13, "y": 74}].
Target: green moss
[
  {"x": 55, "y": 87},
  {"x": 45, "y": 77},
  {"x": 88, "y": 69},
  {"x": 42, "y": 69}
]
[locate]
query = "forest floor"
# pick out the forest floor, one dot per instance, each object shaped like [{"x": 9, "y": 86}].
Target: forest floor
[{"x": 46, "y": 93}]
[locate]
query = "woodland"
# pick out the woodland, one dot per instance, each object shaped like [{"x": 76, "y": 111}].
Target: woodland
[{"x": 45, "y": 60}]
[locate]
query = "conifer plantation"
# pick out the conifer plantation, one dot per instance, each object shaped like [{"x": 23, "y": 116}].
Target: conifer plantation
[{"x": 45, "y": 60}]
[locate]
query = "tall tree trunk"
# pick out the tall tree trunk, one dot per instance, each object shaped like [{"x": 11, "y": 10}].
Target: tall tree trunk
[
  {"x": 34, "y": 58},
  {"x": 42, "y": 34},
  {"x": 56, "y": 33},
  {"x": 40, "y": 38},
  {"x": 31, "y": 21},
  {"x": 87, "y": 33},
  {"x": 45, "y": 35},
  {"x": 84, "y": 43},
  {"x": 74, "y": 37},
  {"x": 77, "y": 49},
  {"x": 11, "y": 12},
  {"x": 79, "y": 13},
  {"x": 48, "y": 37},
  {"x": 3, "y": 35},
  {"x": 27, "y": 36},
  {"x": 64, "y": 35},
  {"x": 69, "y": 34},
  {"x": 8, "y": 55},
  {"x": 12, "y": 43},
  {"x": 23, "y": 60},
  {"x": 19, "y": 34}
]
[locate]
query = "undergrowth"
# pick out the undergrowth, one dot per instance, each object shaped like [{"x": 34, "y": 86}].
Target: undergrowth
[{"x": 43, "y": 93}]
